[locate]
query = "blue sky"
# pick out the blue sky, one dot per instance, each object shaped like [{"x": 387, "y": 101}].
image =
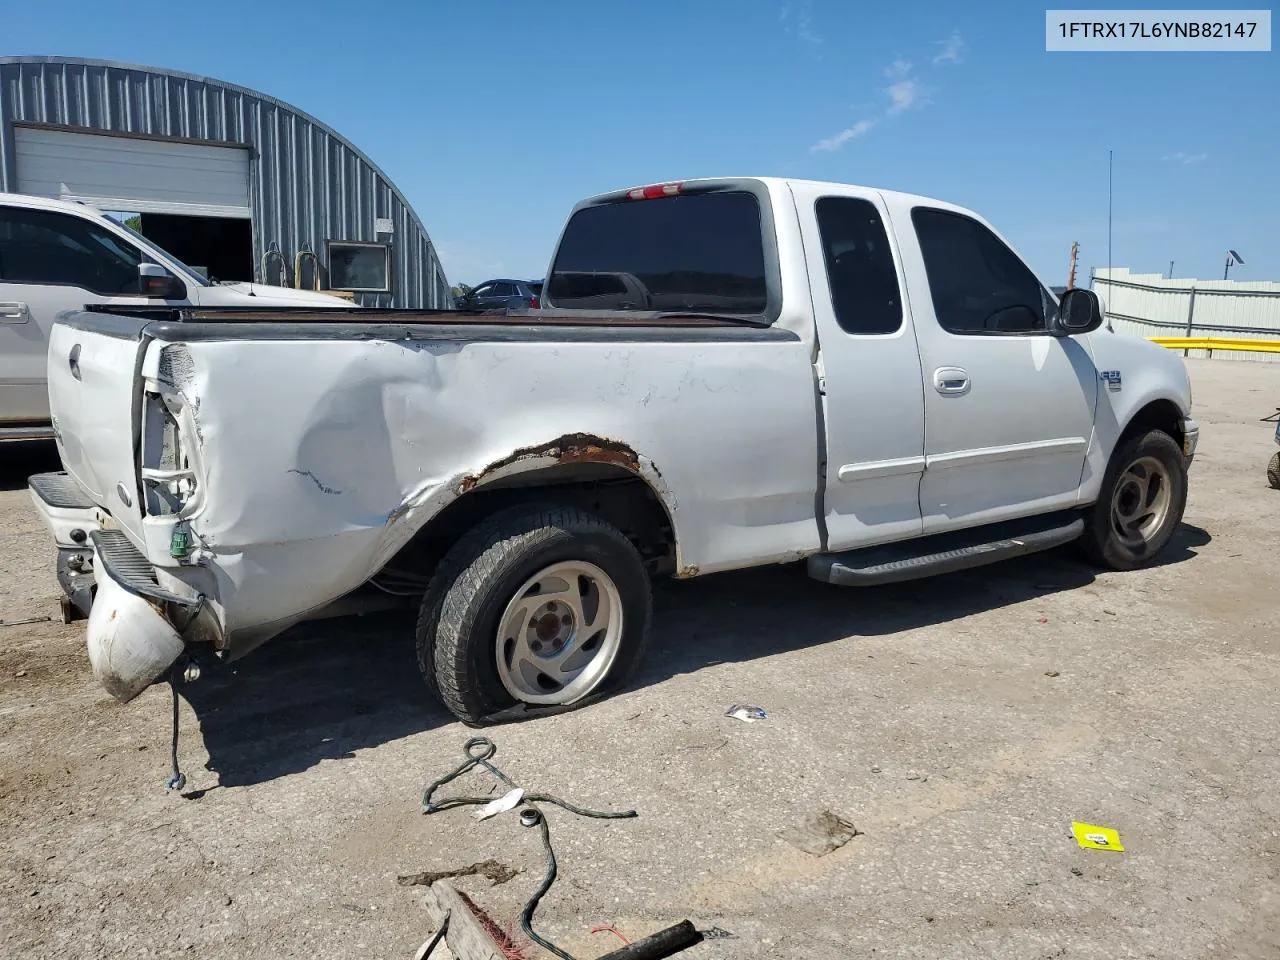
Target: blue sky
[{"x": 495, "y": 117}]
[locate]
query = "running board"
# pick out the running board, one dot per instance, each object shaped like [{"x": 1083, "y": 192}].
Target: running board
[{"x": 946, "y": 552}]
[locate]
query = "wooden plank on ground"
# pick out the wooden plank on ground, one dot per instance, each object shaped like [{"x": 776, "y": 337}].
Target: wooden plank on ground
[{"x": 466, "y": 937}]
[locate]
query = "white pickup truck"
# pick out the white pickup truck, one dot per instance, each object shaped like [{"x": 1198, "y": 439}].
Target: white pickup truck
[
  {"x": 870, "y": 382},
  {"x": 55, "y": 256}
]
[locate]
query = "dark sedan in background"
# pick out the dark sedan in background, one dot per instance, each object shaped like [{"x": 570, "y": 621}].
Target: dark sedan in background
[{"x": 502, "y": 295}]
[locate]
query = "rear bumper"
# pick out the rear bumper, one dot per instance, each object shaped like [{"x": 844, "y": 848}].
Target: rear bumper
[
  {"x": 70, "y": 518},
  {"x": 136, "y": 627}
]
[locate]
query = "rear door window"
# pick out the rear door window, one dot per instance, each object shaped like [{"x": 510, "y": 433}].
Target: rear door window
[
  {"x": 860, "y": 272},
  {"x": 698, "y": 252}
]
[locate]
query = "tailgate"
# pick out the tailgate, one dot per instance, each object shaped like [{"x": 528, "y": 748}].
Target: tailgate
[{"x": 93, "y": 397}]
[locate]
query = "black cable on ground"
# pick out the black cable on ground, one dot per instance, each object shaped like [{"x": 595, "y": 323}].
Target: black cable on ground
[
  {"x": 526, "y": 915},
  {"x": 428, "y": 948},
  {"x": 479, "y": 751},
  {"x": 176, "y": 779}
]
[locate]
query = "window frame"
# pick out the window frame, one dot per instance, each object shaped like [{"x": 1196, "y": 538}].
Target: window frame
[
  {"x": 97, "y": 249},
  {"x": 1048, "y": 302},
  {"x": 893, "y": 264},
  {"x": 330, "y": 245}
]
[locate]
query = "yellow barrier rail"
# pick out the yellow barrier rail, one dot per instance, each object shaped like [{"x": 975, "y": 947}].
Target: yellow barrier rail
[{"x": 1218, "y": 343}]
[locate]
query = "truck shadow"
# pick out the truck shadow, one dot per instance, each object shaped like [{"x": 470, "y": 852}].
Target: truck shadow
[
  {"x": 318, "y": 692},
  {"x": 327, "y": 689},
  {"x": 19, "y": 460},
  {"x": 753, "y": 614}
]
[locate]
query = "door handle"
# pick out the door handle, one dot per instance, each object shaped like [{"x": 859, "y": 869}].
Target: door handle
[
  {"x": 14, "y": 313},
  {"x": 951, "y": 381},
  {"x": 73, "y": 361}
]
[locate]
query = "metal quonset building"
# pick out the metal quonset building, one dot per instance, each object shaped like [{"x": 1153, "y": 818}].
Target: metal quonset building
[{"x": 220, "y": 175}]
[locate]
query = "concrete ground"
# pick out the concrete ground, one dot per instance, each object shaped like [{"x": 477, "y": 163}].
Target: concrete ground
[{"x": 962, "y": 724}]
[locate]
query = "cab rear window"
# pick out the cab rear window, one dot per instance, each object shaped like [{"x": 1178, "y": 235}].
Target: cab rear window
[{"x": 700, "y": 252}]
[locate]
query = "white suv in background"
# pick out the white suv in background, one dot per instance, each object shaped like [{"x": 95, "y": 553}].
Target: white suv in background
[{"x": 57, "y": 256}]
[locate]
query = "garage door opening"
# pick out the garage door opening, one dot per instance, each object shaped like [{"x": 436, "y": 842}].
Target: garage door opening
[
  {"x": 191, "y": 198},
  {"x": 218, "y": 248},
  {"x": 221, "y": 248}
]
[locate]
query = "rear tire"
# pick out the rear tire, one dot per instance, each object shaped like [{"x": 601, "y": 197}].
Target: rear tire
[
  {"x": 1140, "y": 504},
  {"x": 569, "y": 595},
  {"x": 1273, "y": 472}
]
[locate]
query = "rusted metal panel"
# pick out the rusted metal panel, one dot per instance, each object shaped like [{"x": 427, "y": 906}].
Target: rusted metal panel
[
  {"x": 569, "y": 449},
  {"x": 307, "y": 183}
]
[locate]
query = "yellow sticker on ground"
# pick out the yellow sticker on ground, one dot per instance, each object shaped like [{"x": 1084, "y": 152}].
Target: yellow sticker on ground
[{"x": 1092, "y": 837}]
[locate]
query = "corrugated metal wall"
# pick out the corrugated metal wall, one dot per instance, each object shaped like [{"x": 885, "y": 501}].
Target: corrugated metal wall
[
  {"x": 1149, "y": 305},
  {"x": 307, "y": 184}
]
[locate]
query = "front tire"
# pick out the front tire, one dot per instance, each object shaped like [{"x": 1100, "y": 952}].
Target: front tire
[
  {"x": 1140, "y": 504},
  {"x": 1273, "y": 472},
  {"x": 543, "y": 606}
]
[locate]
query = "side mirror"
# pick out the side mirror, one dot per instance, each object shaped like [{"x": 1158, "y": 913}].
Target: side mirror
[
  {"x": 156, "y": 282},
  {"x": 1079, "y": 311}
]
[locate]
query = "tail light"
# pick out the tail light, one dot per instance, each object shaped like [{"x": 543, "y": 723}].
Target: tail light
[
  {"x": 170, "y": 463},
  {"x": 168, "y": 476},
  {"x": 534, "y": 302}
]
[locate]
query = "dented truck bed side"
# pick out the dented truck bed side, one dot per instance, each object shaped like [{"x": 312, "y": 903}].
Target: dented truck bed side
[{"x": 358, "y": 442}]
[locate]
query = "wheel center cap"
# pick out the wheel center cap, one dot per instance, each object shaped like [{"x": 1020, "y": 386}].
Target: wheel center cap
[{"x": 547, "y": 627}]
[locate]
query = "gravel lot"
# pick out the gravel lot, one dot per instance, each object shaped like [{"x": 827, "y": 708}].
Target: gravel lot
[{"x": 960, "y": 723}]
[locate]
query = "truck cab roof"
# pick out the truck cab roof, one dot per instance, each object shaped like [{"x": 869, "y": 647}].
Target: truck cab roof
[
  {"x": 779, "y": 182},
  {"x": 48, "y": 203}
]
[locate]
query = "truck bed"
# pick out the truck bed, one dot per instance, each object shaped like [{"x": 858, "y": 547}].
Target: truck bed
[{"x": 387, "y": 317}]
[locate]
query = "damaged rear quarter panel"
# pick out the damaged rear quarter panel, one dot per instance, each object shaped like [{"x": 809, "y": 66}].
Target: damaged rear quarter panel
[{"x": 323, "y": 457}]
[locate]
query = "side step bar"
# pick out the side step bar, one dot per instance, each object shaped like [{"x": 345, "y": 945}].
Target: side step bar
[{"x": 947, "y": 552}]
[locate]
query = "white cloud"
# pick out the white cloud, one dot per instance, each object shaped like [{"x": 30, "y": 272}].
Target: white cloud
[
  {"x": 1186, "y": 158},
  {"x": 799, "y": 15},
  {"x": 952, "y": 49},
  {"x": 806, "y": 33},
  {"x": 904, "y": 95},
  {"x": 898, "y": 69},
  {"x": 831, "y": 144}
]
